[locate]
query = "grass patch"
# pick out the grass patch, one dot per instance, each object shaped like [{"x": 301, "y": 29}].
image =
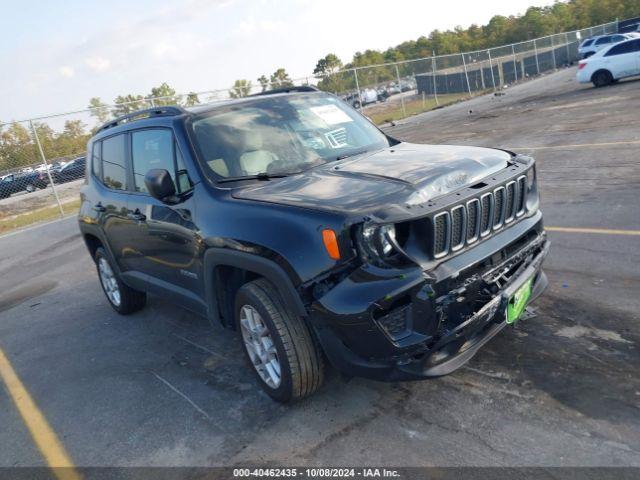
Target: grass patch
[
  {"x": 413, "y": 106},
  {"x": 14, "y": 222}
]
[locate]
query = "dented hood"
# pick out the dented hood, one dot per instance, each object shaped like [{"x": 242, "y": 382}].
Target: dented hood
[{"x": 384, "y": 183}]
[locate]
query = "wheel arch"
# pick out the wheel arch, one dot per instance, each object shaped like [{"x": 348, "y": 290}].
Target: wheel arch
[{"x": 220, "y": 260}]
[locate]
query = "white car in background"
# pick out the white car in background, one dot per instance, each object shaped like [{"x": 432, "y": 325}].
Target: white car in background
[
  {"x": 611, "y": 64},
  {"x": 592, "y": 45}
]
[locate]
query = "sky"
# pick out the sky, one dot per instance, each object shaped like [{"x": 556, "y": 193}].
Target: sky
[{"x": 55, "y": 55}]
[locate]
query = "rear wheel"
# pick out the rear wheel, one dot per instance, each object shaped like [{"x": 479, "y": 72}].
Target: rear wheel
[
  {"x": 123, "y": 299},
  {"x": 277, "y": 343},
  {"x": 30, "y": 188},
  {"x": 602, "y": 78}
]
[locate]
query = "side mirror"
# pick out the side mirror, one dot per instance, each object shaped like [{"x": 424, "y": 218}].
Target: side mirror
[{"x": 160, "y": 185}]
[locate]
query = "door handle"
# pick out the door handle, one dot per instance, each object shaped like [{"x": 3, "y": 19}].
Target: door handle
[
  {"x": 99, "y": 208},
  {"x": 136, "y": 215}
]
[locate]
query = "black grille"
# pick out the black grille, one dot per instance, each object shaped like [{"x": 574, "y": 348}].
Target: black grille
[
  {"x": 498, "y": 206},
  {"x": 440, "y": 234},
  {"x": 486, "y": 213},
  {"x": 457, "y": 227},
  {"x": 510, "y": 208},
  {"x": 522, "y": 190},
  {"x": 473, "y": 210},
  {"x": 463, "y": 223}
]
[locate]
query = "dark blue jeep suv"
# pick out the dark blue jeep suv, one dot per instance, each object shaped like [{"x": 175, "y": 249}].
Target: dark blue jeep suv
[{"x": 291, "y": 218}]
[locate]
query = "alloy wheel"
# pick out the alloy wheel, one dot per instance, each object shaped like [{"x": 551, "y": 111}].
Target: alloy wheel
[
  {"x": 260, "y": 346},
  {"x": 109, "y": 282}
]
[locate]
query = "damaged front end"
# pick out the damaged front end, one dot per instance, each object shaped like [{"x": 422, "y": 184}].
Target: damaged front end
[{"x": 430, "y": 290}]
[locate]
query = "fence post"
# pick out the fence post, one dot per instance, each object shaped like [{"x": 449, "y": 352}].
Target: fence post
[
  {"x": 404, "y": 111},
  {"x": 566, "y": 43},
  {"x": 515, "y": 63},
  {"x": 44, "y": 159},
  {"x": 466, "y": 75},
  {"x": 355, "y": 73},
  {"x": 535, "y": 49},
  {"x": 433, "y": 74},
  {"x": 493, "y": 80},
  {"x": 553, "y": 53}
]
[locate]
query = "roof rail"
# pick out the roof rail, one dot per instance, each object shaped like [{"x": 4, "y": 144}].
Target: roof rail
[
  {"x": 302, "y": 88},
  {"x": 165, "y": 111}
]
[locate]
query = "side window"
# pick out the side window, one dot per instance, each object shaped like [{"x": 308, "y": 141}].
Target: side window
[
  {"x": 184, "y": 183},
  {"x": 603, "y": 41},
  {"x": 151, "y": 149},
  {"x": 113, "y": 163},
  {"x": 626, "y": 47},
  {"x": 617, "y": 38},
  {"x": 96, "y": 164}
]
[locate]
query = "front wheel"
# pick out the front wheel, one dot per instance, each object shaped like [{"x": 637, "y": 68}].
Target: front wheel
[
  {"x": 277, "y": 343},
  {"x": 30, "y": 188}
]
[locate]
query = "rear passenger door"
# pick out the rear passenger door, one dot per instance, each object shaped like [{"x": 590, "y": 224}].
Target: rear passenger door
[{"x": 167, "y": 247}]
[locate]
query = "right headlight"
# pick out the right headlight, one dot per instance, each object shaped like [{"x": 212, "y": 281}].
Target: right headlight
[{"x": 377, "y": 240}]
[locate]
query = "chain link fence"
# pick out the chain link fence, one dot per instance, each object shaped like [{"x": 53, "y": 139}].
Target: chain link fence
[{"x": 42, "y": 160}]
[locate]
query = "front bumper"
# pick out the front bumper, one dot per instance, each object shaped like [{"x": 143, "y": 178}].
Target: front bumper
[{"x": 439, "y": 338}]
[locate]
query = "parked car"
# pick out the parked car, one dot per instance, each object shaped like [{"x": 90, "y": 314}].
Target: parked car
[
  {"x": 366, "y": 97},
  {"x": 407, "y": 85},
  {"x": 70, "y": 171},
  {"x": 293, "y": 219},
  {"x": 20, "y": 182},
  {"x": 595, "y": 44},
  {"x": 611, "y": 64}
]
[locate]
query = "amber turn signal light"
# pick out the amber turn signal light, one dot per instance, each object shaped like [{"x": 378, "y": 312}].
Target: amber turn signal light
[{"x": 331, "y": 243}]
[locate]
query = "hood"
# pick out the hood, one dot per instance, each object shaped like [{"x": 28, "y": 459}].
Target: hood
[{"x": 382, "y": 184}]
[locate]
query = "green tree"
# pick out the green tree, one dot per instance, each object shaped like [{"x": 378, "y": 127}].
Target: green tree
[
  {"x": 327, "y": 65},
  {"x": 264, "y": 82},
  {"x": 99, "y": 110},
  {"x": 280, "y": 79},
  {"x": 241, "y": 88},
  {"x": 128, "y": 103},
  {"x": 163, "y": 94},
  {"x": 191, "y": 100},
  {"x": 16, "y": 147}
]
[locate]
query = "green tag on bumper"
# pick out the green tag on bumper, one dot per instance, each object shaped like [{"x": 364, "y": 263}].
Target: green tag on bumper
[{"x": 518, "y": 302}]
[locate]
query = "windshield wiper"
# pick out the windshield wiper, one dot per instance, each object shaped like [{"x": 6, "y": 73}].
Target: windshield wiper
[{"x": 259, "y": 176}]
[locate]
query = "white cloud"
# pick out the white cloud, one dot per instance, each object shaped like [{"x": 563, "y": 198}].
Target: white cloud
[
  {"x": 98, "y": 63},
  {"x": 66, "y": 71}
]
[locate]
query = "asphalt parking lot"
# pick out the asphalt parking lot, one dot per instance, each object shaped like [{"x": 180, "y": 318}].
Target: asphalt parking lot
[{"x": 162, "y": 388}]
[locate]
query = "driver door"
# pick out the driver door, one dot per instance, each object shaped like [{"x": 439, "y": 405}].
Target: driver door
[{"x": 165, "y": 239}]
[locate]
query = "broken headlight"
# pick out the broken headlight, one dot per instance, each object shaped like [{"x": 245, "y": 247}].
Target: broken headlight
[{"x": 376, "y": 240}]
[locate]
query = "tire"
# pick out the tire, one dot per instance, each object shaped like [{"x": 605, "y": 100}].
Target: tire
[
  {"x": 123, "y": 299},
  {"x": 287, "y": 340},
  {"x": 356, "y": 105},
  {"x": 30, "y": 188},
  {"x": 602, "y": 78}
]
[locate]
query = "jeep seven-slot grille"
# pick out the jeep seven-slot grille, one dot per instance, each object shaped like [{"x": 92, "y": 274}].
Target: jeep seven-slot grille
[{"x": 466, "y": 222}]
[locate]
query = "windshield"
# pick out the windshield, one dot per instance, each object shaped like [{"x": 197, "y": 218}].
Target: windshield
[{"x": 278, "y": 135}]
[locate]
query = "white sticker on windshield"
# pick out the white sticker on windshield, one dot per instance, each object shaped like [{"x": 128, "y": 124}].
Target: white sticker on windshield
[{"x": 331, "y": 114}]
